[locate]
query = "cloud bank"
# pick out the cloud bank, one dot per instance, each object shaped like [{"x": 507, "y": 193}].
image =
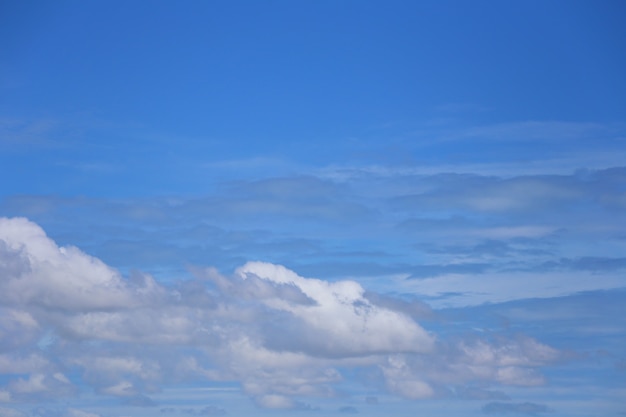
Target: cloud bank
[{"x": 69, "y": 322}]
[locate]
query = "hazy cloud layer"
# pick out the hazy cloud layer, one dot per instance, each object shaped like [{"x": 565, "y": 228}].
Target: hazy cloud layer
[
  {"x": 515, "y": 408},
  {"x": 452, "y": 238}
]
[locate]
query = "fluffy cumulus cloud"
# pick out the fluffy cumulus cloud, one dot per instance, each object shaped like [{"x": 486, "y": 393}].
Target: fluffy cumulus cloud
[
  {"x": 37, "y": 272},
  {"x": 340, "y": 321},
  {"x": 70, "y": 322},
  {"x": 507, "y": 362}
]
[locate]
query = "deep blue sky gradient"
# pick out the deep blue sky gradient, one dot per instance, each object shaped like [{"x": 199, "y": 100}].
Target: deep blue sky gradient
[{"x": 310, "y": 82}]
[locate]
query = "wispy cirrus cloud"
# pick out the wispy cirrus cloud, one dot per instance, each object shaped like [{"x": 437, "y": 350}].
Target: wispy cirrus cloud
[{"x": 419, "y": 226}]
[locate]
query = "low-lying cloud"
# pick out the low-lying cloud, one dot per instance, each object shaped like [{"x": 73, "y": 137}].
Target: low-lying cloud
[{"x": 70, "y": 321}]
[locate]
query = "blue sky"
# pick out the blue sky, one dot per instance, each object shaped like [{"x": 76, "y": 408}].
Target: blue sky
[{"x": 285, "y": 207}]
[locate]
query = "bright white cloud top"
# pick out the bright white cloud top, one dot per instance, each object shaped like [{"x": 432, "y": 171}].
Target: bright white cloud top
[{"x": 247, "y": 208}]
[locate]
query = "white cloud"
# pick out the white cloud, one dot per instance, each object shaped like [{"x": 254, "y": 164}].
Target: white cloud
[
  {"x": 166, "y": 325},
  {"x": 35, "y": 383},
  {"x": 511, "y": 375},
  {"x": 116, "y": 366},
  {"x": 72, "y": 412},
  {"x": 508, "y": 362},
  {"x": 275, "y": 401},
  {"x": 45, "y": 274},
  {"x": 121, "y": 389},
  {"x": 281, "y": 336},
  {"x": 341, "y": 322},
  {"x": 263, "y": 371},
  {"x": 18, "y": 329},
  {"x": 15, "y": 363},
  {"x": 520, "y": 352},
  {"x": 40, "y": 386},
  {"x": 402, "y": 380}
]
